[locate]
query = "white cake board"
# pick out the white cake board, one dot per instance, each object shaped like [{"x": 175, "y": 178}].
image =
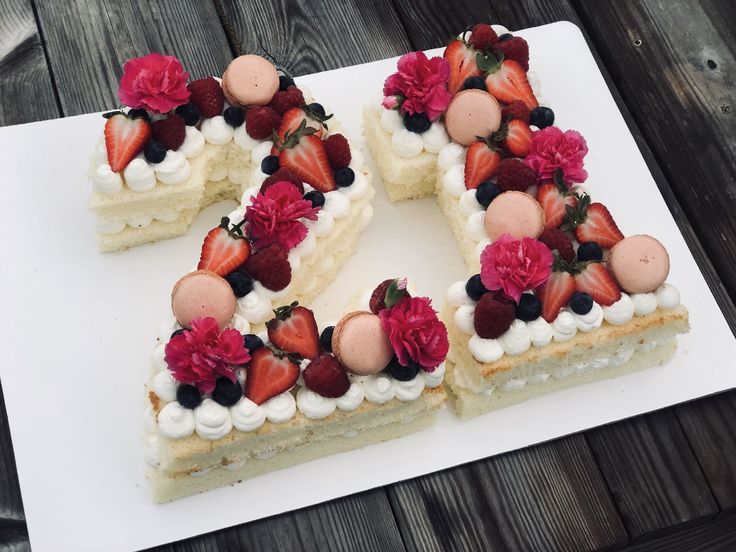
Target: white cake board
[{"x": 78, "y": 325}]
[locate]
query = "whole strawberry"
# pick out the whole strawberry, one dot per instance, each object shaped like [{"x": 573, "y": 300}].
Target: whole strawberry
[
  {"x": 206, "y": 95},
  {"x": 326, "y": 376}
]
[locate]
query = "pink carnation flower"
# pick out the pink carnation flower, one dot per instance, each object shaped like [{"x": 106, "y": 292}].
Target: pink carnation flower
[
  {"x": 154, "y": 82},
  {"x": 422, "y": 82},
  {"x": 415, "y": 332},
  {"x": 515, "y": 265},
  {"x": 274, "y": 216},
  {"x": 552, "y": 149},
  {"x": 201, "y": 355}
]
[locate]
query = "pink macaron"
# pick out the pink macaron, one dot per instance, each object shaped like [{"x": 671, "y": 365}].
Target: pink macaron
[
  {"x": 250, "y": 80},
  {"x": 472, "y": 113},
  {"x": 515, "y": 213},
  {"x": 639, "y": 263},
  {"x": 360, "y": 343},
  {"x": 202, "y": 293}
]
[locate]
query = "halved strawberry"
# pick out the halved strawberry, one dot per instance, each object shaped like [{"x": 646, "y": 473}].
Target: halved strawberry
[
  {"x": 326, "y": 376},
  {"x": 124, "y": 139},
  {"x": 294, "y": 330},
  {"x": 304, "y": 154},
  {"x": 269, "y": 374},
  {"x": 555, "y": 198},
  {"x": 518, "y": 138},
  {"x": 556, "y": 292},
  {"x": 224, "y": 249},
  {"x": 598, "y": 282},
  {"x": 461, "y": 59},
  {"x": 293, "y": 118},
  {"x": 509, "y": 82},
  {"x": 480, "y": 162},
  {"x": 593, "y": 222}
]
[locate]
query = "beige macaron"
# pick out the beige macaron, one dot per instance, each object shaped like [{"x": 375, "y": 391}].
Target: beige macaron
[
  {"x": 250, "y": 80},
  {"x": 202, "y": 293},
  {"x": 639, "y": 263},
  {"x": 471, "y": 114},
  {"x": 360, "y": 343},
  {"x": 515, "y": 213}
]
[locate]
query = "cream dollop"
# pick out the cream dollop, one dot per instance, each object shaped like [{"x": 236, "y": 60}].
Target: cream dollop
[
  {"x": 254, "y": 307},
  {"x": 280, "y": 408},
  {"x": 469, "y": 204},
  {"x": 484, "y": 350},
  {"x": 337, "y": 204},
  {"x": 644, "y": 303},
  {"x": 435, "y": 138},
  {"x": 357, "y": 189},
  {"x": 451, "y": 155},
  {"x": 313, "y": 405},
  {"x": 245, "y": 142},
  {"x": 351, "y": 399},
  {"x": 239, "y": 323},
  {"x": 260, "y": 151},
  {"x": 667, "y": 296},
  {"x": 564, "y": 326},
  {"x": 378, "y": 389},
  {"x": 516, "y": 339},
  {"x": 105, "y": 181},
  {"x": 175, "y": 421},
  {"x": 482, "y": 244},
  {"x": 435, "y": 377},
  {"x": 475, "y": 226},
  {"x": 621, "y": 312},
  {"x": 590, "y": 320},
  {"x": 212, "y": 420},
  {"x": 307, "y": 246},
  {"x": 540, "y": 332},
  {"x": 391, "y": 121},
  {"x": 164, "y": 385},
  {"x": 406, "y": 143},
  {"x": 465, "y": 319},
  {"x": 322, "y": 226},
  {"x": 158, "y": 360},
  {"x": 247, "y": 415},
  {"x": 193, "y": 141},
  {"x": 409, "y": 390},
  {"x": 174, "y": 169},
  {"x": 456, "y": 295},
  {"x": 216, "y": 131},
  {"x": 453, "y": 181}
]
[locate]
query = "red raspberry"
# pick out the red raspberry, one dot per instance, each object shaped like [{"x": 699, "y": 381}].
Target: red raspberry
[
  {"x": 270, "y": 266},
  {"x": 207, "y": 95},
  {"x": 338, "y": 151},
  {"x": 513, "y": 174},
  {"x": 515, "y": 48},
  {"x": 515, "y": 110},
  {"x": 483, "y": 37},
  {"x": 282, "y": 174},
  {"x": 261, "y": 122},
  {"x": 554, "y": 238},
  {"x": 283, "y": 101},
  {"x": 494, "y": 314},
  {"x": 170, "y": 132}
]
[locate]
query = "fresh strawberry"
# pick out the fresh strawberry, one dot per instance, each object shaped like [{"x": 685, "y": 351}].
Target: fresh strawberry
[
  {"x": 514, "y": 175},
  {"x": 556, "y": 292},
  {"x": 593, "y": 222},
  {"x": 326, "y": 376},
  {"x": 338, "y": 151},
  {"x": 480, "y": 164},
  {"x": 509, "y": 82},
  {"x": 482, "y": 37},
  {"x": 170, "y": 131},
  {"x": 514, "y": 48},
  {"x": 595, "y": 280},
  {"x": 282, "y": 174},
  {"x": 555, "y": 199},
  {"x": 462, "y": 64},
  {"x": 270, "y": 266},
  {"x": 224, "y": 249},
  {"x": 284, "y": 100},
  {"x": 518, "y": 138},
  {"x": 516, "y": 110},
  {"x": 269, "y": 374},
  {"x": 261, "y": 122},
  {"x": 207, "y": 95},
  {"x": 303, "y": 153},
  {"x": 294, "y": 330},
  {"x": 124, "y": 139}
]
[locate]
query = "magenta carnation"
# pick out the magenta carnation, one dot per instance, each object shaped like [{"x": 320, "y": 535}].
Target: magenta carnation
[
  {"x": 274, "y": 216},
  {"x": 154, "y": 82},
  {"x": 204, "y": 353},
  {"x": 515, "y": 265},
  {"x": 422, "y": 83},
  {"x": 415, "y": 332},
  {"x": 552, "y": 149}
]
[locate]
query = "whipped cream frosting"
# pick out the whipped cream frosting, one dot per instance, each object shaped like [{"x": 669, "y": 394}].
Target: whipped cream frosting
[
  {"x": 164, "y": 385},
  {"x": 453, "y": 181},
  {"x": 174, "y": 169},
  {"x": 247, "y": 415},
  {"x": 379, "y": 389},
  {"x": 280, "y": 408},
  {"x": 105, "y": 181},
  {"x": 314, "y": 406},
  {"x": 337, "y": 204},
  {"x": 351, "y": 399},
  {"x": 213, "y": 420},
  {"x": 451, "y": 155},
  {"x": 216, "y": 131},
  {"x": 193, "y": 142},
  {"x": 175, "y": 421}
]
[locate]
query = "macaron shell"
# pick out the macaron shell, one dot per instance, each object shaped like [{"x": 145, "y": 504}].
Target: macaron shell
[
  {"x": 360, "y": 343},
  {"x": 472, "y": 113},
  {"x": 250, "y": 80},
  {"x": 639, "y": 263},
  {"x": 515, "y": 213},
  {"x": 202, "y": 293}
]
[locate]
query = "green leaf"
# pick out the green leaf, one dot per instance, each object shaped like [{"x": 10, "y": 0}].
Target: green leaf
[
  {"x": 487, "y": 63},
  {"x": 394, "y": 293}
]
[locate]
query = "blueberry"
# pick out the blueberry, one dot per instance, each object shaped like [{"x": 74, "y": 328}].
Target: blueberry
[
  {"x": 542, "y": 117},
  {"x": 344, "y": 177},
  {"x": 241, "y": 283},
  {"x": 252, "y": 342},
  {"x": 234, "y": 116},
  {"x": 486, "y": 192},
  {"x": 418, "y": 122},
  {"x": 475, "y": 288},
  {"x": 581, "y": 303},
  {"x": 505, "y": 36},
  {"x": 176, "y": 332},
  {"x": 188, "y": 396},
  {"x": 317, "y": 198},
  {"x": 325, "y": 339},
  {"x": 154, "y": 152},
  {"x": 189, "y": 113},
  {"x": 589, "y": 251},
  {"x": 474, "y": 82},
  {"x": 317, "y": 109},
  {"x": 530, "y": 307},
  {"x": 285, "y": 82},
  {"x": 270, "y": 164},
  {"x": 138, "y": 114},
  {"x": 226, "y": 392},
  {"x": 403, "y": 373}
]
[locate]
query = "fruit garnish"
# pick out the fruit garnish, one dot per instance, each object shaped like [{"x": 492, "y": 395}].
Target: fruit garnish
[
  {"x": 261, "y": 122},
  {"x": 124, "y": 139},
  {"x": 518, "y": 137},
  {"x": 493, "y": 315},
  {"x": 170, "y": 131},
  {"x": 480, "y": 163},
  {"x": 284, "y": 100},
  {"x": 291, "y": 120},
  {"x": 294, "y": 330},
  {"x": 508, "y": 82},
  {"x": 269, "y": 374},
  {"x": 559, "y": 241},
  {"x": 514, "y": 175},
  {"x": 556, "y": 292},
  {"x": 555, "y": 199},
  {"x": 482, "y": 37},
  {"x": 224, "y": 249},
  {"x": 593, "y": 222},
  {"x": 387, "y": 294},
  {"x": 461, "y": 59},
  {"x": 595, "y": 280},
  {"x": 206, "y": 94},
  {"x": 514, "y": 48},
  {"x": 338, "y": 151},
  {"x": 515, "y": 110},
  {"x": 270, "y": 266},
  {"x": 304, "y": 154},
  {"x": 326, "y": 376}
]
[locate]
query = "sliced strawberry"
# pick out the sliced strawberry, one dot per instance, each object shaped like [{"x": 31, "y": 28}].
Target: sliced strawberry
[
  {"x": 326, "y": 376},
  {"x": 462, "y": 64},
  {"x": 290, "y": 122},
  {"x": 596, "y": 281},
  {"x": 518, "y": 138},
  {"x": 555, "y": 198},
  {"x": 509, "y": 82},
  {"x": 124, "y": 139},
  {"x": 269, "y": 374},
  {"x": 304, "y": 154},
  {"x": 556, "y": 293},
  {"x": 593, "y": 222},
  {"x": 224, "y": 249},
  {"x": 480, "y": 163},
  {"x": 294, "y": 330}
]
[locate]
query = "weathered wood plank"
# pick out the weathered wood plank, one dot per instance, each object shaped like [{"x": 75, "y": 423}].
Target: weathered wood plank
[
  {"x": 14, "y": 537},
  {"x": 11, "y": 505},
  {"x": 718, "y": 536}
]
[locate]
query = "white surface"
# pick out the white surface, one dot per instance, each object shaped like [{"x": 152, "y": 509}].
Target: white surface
[{"x": 78, "y": 326}]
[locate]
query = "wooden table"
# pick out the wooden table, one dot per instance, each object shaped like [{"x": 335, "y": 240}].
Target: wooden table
[{"x": 663, "y": 481}]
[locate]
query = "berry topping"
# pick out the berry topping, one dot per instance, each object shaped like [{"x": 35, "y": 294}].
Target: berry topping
[
  {"x": 176, "y": 332},
  {"x": 418, "y": 122},
  {"x": 316, "y": 109},
  {"x": 387, "y": 294},
  {"x": 506, "y": 36},
  {"x": 403, "y": 373},
  {"x": 514, "y": 175},
  {"x": 270, "y": 164},
  {"x": 517, "y": 140},
  {"x": 486, "y": 192},
  {"x": 480, "y": 164},
  {"x": 188, "y": 396},
  {"x": 326, "y": 376},
  {"x": 284, "y": 100},
  {"x": 542, "y": 117},
  {"x": 252, "y": 342},
  {"x": 494, "y": 314},
  {"x": 316, "y": 198},
  {"x": 482, "y": 37},
  {"x": 325, "y": 338},
  {"x": 555, "y": 199},
  {"x": 189, "y": 113},
  {"x": 139, "y": 114},
  {"x": 559, "y": 241},
  {"x": 294, "y": 117},
  {"x": 581, "y": 303},
  {"x": 344, "y": 177},
  {"x": 282, "y": 175},
  {"x": 595, "y": 280},
  {"x": 269, "y": 374},
  {"x": 462, "y": 65},
  {"x": 154, "y": 152},
  {"x": 556, "y": 292},
  {"x": 516, "y": 110},
  {"x": 234, "y": 116},
  {"x": 294, "y": 330},
  {"x": 207, "y": 95},
  {"x": 474, "y": 288},
  {"x": 224, "y": 249},
  {"x": 590, "y": 251},
  {"x": 593, "y": 222},
  {"x": 338, "y": 151},
  {"x": 170, "y": 132},
  {"x": 124, "y": 139},
  {"x": 476, "y": 83},
  {"x": 270, "y": 266},
  {"x": 529, "y": 308},
  {"x": 261, "y": 122},
  {"x": 509, "y": 82},
  {"x": 515, "y": 48},
  {"x": 241, "y": 283},
  {"x": 304, "y": 154},
  {"x": 285, "y": 82},
  {"x": 227, "y": 392}
]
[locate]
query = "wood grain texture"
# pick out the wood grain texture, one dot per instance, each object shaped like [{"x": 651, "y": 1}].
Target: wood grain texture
[
  {"x": 718, "y": 536},
  {"x": 306, "y": 36},
  {"x": 14, "y": 537},
  {"x": 87, "y": 50},
  {"x": 11, "y": 505}
]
